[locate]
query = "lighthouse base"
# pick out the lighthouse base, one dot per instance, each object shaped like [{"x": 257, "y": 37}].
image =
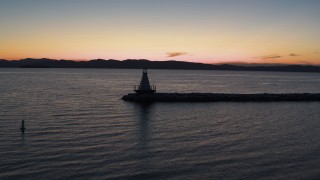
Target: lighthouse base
[{"x": 145, "y": 91}]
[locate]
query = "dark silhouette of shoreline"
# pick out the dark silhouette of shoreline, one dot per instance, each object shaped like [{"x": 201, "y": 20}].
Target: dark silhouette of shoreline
[{"x": 142, "y": 63}]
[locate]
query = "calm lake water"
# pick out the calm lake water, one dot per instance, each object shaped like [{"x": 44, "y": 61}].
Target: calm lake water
[{"x": 79, "y": 128}]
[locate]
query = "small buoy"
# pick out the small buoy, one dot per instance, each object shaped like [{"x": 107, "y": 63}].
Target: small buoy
[{"x": 22, "y": 128}]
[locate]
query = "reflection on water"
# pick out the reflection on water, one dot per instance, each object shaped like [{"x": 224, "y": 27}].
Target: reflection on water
[{"x": 143, "y": 126}]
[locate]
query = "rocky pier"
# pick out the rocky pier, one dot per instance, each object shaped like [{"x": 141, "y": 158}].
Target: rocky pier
[{"x": 220, "y": 97}]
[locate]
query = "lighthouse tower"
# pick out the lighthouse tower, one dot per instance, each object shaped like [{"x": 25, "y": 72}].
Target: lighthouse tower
[{"x": 144, "y": 87}]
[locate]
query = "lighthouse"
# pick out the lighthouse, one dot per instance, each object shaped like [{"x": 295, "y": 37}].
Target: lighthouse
[{"x": 144, "y": 87}]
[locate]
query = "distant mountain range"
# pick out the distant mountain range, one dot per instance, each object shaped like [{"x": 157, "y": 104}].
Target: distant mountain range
[{"x": 142, "y": 63}]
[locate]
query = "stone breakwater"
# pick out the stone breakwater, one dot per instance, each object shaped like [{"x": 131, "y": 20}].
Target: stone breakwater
[{"x": 220, "y": 97}]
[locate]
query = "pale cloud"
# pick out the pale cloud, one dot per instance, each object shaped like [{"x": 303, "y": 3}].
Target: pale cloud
[
  {"x": 293, "y": 54},
  {"x": 174, "y": 54},
  {"x": 274, "y": 56}
]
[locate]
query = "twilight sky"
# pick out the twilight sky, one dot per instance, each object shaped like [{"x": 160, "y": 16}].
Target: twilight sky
[{"x": 209, "y": 31}]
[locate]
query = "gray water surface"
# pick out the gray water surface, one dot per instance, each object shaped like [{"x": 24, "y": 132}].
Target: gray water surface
[{"x": 78, "y": 126}]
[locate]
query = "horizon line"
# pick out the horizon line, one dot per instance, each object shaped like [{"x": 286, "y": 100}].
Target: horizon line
[{"x": 239, "y": 63}]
